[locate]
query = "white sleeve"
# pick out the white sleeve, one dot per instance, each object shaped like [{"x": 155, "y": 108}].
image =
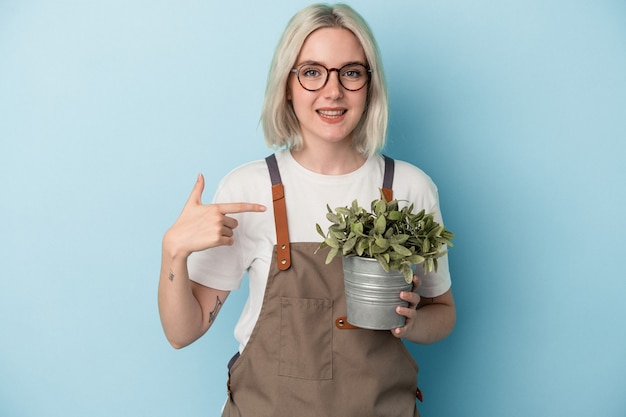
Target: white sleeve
[{"x": 414, "y": 185}]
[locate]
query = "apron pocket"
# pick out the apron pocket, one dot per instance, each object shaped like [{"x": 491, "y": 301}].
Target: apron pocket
[{"x": 306, "y": 326}]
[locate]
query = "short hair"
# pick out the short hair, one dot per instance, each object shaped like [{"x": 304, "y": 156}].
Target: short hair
[{"x": 280, "y": 124}]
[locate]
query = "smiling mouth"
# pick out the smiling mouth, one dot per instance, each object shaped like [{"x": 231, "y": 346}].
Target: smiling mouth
[{"x": 331, "y": 114}]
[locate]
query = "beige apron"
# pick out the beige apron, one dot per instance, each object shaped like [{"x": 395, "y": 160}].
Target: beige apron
[{"x": 303, "y": 359}]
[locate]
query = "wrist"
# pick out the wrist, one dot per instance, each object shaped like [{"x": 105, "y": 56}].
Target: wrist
[{"x": 172, "y": 248}]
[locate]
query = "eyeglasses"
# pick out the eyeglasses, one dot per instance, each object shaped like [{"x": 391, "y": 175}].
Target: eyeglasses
[{"x": 313, "y": 77}]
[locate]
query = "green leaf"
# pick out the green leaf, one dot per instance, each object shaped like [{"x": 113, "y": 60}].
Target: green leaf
[
  {"x": 380, "y": 207},
  {"x": 398, "y": 239},
  {"x": 382, "y": 242},
  {"x": 357, "y": 228},
  {"x": 444, "y": 241},
  {"x": 447, "y": 234},
  {"x": 383, "y": 262},
  {"x": 401, "y": 250},
  {"x": 408, "y": 273},
  {"x": 337, "y": 234},
  {"x": 394, "y": 215},
  {"x": 395, "y": 256},
  {"x": 428, "y": 265},
  {"x": 344, "y": 211},
  {"x": 349, "y": 245},
  {"x": 333, "y": 218},
  {"x": 416, "y": 259},
  {"x": 332, "y": 242},
  {"x": 331, "y": 255},
  {"x": 322, "y": 245},
  {"x": 380, "y": 225},
  {"x": 436, "y": 231},
  {"x": 361, "y": 246},
  {"x": 375, "y": 249}
]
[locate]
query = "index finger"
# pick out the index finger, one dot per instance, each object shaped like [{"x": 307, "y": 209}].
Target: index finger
[
  {"x": 416, "y": 282},
  {"x": 228, "y": 208}
]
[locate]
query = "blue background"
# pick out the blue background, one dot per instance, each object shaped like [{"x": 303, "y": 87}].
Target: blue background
[{"x": 109, "y": 109}]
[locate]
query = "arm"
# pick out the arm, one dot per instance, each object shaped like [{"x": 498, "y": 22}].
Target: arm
[
  {"x": 188, "y": 309},
  {"x": 428, "y": 319}
]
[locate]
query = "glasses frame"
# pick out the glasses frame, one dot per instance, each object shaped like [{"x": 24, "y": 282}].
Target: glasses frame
[{"x": 329, "y": 70}]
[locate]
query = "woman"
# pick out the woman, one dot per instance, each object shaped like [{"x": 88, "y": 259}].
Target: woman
[{"x": 326, "y": 107}]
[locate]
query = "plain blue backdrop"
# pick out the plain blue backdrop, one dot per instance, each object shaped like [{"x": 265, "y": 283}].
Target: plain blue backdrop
[{"x": 109, "y": 109}]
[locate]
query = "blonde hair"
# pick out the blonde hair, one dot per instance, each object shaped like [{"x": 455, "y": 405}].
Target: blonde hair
[{"x": 280, "y": 124}]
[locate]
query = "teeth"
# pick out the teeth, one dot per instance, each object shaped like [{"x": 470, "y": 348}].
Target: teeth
[{"x": 331, "y": 113}]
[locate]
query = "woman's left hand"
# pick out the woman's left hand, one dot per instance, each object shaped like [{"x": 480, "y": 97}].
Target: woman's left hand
[
  {"x": 428, "y": 320},
  {"x": 410, "y": 311}
]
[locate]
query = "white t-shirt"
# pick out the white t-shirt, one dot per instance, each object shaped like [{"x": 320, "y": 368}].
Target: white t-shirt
[{"x": 307, "y": 193}]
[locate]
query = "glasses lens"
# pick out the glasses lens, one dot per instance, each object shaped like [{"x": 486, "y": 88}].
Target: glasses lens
[
  {"x": 312, "y": 76},
  {"x": 353, "y": 76}
]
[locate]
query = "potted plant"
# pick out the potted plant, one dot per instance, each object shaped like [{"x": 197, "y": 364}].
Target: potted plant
[{"x": 380, "y": 249}]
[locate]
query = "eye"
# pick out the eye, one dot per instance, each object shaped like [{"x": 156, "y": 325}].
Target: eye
[
  {"x": 353, "y": 72},
  {"x": 311, "y": 71}
]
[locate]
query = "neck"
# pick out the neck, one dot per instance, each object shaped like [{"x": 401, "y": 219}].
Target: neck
[{"x": 330, "y": 160}]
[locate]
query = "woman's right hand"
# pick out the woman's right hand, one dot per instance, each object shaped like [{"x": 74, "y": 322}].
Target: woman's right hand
[{"x": 202, "y": 226}]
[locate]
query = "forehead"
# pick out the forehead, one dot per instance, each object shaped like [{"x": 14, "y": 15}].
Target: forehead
[{"x": 332, "y": 46}]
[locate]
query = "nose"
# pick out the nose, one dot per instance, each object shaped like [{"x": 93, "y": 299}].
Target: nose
[{"x": 333, "y": 87}]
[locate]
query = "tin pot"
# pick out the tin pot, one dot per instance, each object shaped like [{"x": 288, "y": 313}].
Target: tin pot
[{"x": 372, "y": 294}]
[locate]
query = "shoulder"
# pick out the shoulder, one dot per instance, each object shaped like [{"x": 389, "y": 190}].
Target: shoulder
[
  {"x": 249, "y": 178},
  {"x": 405, "y": 171},
  {"x": 247, "y": 171},
  {"x": 413, "y": 184}
]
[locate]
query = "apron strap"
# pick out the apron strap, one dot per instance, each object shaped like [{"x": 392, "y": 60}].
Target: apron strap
[
  {"x": 283, "y": 250},
  {"x": 388, "y": 178}
]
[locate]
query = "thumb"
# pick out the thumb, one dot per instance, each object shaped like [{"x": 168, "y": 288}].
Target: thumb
[{"x": 196, "y": 194}]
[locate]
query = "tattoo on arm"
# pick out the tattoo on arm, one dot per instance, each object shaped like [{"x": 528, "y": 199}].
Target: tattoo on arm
[
  {"x": 213, "y": 314},
  {"x": 171, "y": 276}
]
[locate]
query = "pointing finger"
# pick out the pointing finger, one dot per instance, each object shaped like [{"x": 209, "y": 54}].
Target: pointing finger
[{"x": 228, "y": 208}]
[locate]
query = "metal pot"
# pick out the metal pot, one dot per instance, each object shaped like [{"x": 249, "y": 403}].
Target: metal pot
[{"x": 372, "y": 294}]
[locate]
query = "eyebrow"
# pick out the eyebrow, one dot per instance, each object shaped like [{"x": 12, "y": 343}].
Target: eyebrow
[{"x": 319, "y": 63}]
